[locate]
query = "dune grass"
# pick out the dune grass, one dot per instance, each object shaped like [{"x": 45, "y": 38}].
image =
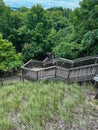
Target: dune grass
[{"x": 28, "y": 106}]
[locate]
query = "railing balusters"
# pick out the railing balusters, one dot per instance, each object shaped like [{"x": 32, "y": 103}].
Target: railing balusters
[{"x": 35, "y": 69}]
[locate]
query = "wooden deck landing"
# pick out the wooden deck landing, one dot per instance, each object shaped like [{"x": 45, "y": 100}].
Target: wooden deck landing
[{"x": 81, "y": 69}]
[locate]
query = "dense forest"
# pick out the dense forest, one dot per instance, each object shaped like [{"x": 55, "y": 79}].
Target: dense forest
[{"x": 31, "y": 33}]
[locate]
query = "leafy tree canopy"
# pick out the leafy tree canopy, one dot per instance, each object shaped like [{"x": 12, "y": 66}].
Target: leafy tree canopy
[
  {"x": 55, "y": 29},
  {"x": 31, "y": 51},
  {"x": 90, "y": 42},
  {"x": 67, "y": 50},
  {"x": 9, "y": 60},
  {"x": 84, "y": 18}
]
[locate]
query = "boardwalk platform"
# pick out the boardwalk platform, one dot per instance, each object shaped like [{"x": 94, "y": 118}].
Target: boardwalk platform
[{"x": 81, "y": 69}]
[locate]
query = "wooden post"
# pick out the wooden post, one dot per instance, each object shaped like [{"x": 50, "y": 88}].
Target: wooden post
[
  {"x": 96, "y": 96},
  {"x": 95, "y": 85},
  {"x": 55, "y": 71},
  {"x": 37, "y": 75},
  {"x": 1, "y": 80},
  {"x": 72, "y": 65},
  {"x": 69, "y": 76},
  {"x": 96, "y": 61}
]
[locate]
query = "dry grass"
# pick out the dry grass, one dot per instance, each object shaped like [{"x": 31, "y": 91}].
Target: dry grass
[{"x": 33, "y": 106}]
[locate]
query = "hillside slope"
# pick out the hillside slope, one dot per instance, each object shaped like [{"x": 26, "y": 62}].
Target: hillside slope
[{"x": 48, "y": 106}]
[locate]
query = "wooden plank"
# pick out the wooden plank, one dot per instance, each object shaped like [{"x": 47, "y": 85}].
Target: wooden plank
[
  {"x": 86, "y": 66},
  {"x": 50, "y": 71},
  {"x": 26, "y": 63},
  {"x": 84, "y": 58},
  {"x": 62, "y": 73}
]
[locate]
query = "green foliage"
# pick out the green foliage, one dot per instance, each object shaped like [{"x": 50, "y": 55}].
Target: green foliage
[
  {"x": 50, "y": 29},
  {"x": 84, "y": 18},
  {"x": 4, "y": 20},
  {"x": 67, "y": 50},
  {"x": 8, "y": 58},
  {"x": 36, "y": 15},
  {"x": 31, "y": 51},
  {"x": 90, "y": 42}
]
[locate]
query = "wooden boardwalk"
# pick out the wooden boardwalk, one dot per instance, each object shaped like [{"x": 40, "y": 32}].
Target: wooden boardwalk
[{"x": 82, "y": 69}]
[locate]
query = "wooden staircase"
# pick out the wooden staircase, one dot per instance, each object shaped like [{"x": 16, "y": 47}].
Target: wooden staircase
[{"x": 81, "y": 69}]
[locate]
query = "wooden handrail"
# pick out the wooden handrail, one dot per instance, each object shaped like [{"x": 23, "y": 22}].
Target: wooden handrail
[
  {"x": 26, "y": 63},
  {"x": 86, "y": 66},
  {"x": 38, "y": 69},
  {"x": 47, "y": 68},
  {"x": 84, "y": 58},
  {"x": 62, "y": 68}
]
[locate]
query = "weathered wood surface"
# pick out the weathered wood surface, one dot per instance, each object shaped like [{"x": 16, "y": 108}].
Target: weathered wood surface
[
  {"x": 29, "y": 74},
  {"x": 96, "y": 96},
  {"x": 62, "y": 73},
  {"x": 46, "y": 72},
  {"x": 83, "y": 73},
  {"x": 62, "y": 68},
  {"x": 96, "y": 84}
]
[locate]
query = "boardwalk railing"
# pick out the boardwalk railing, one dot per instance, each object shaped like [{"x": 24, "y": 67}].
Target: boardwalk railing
[
  {"x": 81, "y": 69},
  {"x": 48, "y": 72},
  {"x": 62, "y": 73},
  {"x": 83, "y": 73},
  {"x": 29, "y": 74}
]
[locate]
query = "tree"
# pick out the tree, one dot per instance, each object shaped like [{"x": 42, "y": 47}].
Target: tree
[
  {"x": 84, "y": 19},
  {"x": 67, "y": 50},
  {"x": 4, "y": 20},
  {"x": 90, "y": 42},
  {"x": 31, "y": 51},
  {"x": 35, "y": 15},
  {"x": 9, "y": 60},
  {"x": 38, "y": 27}
]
